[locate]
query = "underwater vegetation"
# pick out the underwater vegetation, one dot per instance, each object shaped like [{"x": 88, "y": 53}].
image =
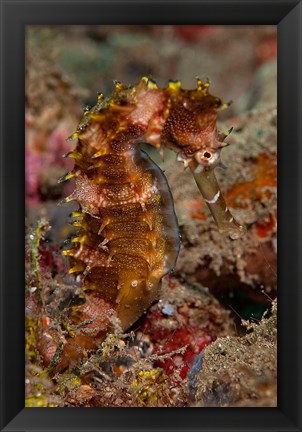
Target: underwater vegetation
[
  {"x": 152, "y": 306},
  {"x": 147, "y": 366}
]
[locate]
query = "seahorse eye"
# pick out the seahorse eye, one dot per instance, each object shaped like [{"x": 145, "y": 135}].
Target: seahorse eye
[{"x": 206, "y": 157}]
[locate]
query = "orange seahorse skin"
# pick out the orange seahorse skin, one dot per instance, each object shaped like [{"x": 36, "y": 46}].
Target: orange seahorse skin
[{"x": 128, "y": 236}]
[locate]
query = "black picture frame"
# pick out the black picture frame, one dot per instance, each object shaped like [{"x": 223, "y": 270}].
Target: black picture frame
[{"x": 15, "y": 15}]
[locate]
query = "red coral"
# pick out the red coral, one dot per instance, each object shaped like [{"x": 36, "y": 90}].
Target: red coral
[{"x": 184, "y": 327}]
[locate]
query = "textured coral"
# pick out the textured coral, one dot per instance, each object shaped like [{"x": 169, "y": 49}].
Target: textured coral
[
  {"x": 241, "y": 371},
  {"x": 52, "y": 106}
]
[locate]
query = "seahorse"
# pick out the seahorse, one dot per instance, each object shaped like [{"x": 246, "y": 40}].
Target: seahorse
[{"x": 128, "y": 236}]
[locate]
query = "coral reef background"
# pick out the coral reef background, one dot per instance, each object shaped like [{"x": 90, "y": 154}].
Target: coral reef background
[{"x": 210, "y": 339}]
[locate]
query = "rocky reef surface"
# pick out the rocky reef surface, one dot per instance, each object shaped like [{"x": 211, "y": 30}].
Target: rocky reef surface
[{"x": 210, "y": 338}]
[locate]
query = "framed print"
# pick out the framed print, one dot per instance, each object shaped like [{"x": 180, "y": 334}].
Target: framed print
[{"x": 157, "y": 139}]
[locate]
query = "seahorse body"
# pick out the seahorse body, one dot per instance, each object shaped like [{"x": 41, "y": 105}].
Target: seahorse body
[{"x": 128, "y": 235}]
